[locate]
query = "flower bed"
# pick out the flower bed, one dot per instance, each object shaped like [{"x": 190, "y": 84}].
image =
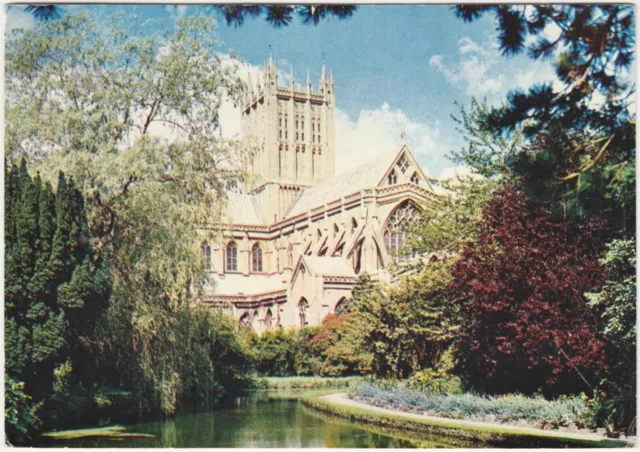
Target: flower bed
[{"x": 568, "y": 412}]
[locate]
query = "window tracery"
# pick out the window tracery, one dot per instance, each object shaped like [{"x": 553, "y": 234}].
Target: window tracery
[
  {"x": 206, "y": 254},
  {"x": 256, "y": 258},
  {"x": 403, "y": 164},
  {"x": 415, "y": 179},
  {"x": 232, "y": 257},
  {"x": 395, "y": 233},
  {"x": 393, "y": 178}
]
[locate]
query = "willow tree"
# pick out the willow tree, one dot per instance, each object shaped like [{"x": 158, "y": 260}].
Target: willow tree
[{"x": 133, "y": 116}]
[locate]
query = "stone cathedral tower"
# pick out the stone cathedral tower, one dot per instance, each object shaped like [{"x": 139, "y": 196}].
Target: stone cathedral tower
[{"x": 290, "y": 131}]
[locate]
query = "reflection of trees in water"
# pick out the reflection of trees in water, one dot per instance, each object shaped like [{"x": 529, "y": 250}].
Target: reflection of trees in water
[
  {"x": 255, "y": 421},
  {"x": 169, "y": 433}
]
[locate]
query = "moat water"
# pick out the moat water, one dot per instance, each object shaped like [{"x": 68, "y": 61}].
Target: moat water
[{"x": 255, "y": 420}]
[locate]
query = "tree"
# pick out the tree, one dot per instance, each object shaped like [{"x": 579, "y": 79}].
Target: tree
[
  {"x": 281, "y": 15},
  {"x": 525, "y": 324},
  {"x": 595, "y": 46},
  {"x": 54, "y": 297},
  {"x": 409, "y": 326},
  {"x": 134, "y": 120},
  {"x": 487, "y": 151},
  {"x": 451, "y": 222},
  {"x": 275, "y": 352},
  {"x": 544, "y": 168},
  {"x": 20, "y": 419},
  {"x": 594, "y": 53},
  {"x": 275, "y": 15},
  {"x": 615, "y": 306}
]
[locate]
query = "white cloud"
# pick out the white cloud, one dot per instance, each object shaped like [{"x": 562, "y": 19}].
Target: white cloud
[
  {"x": 230, "y": 115},
  {"x": 17, "y": 17},
  {"x": 453, "y": 172},
  {"x": 176, "y": 12},
  {"x": 481, "y": 71},
  {"x": 377, "y": 132},
  {"x": 472, "y": 70},
  {"x": 230, "y": 121},
  {"x": 373, "y": 133}
]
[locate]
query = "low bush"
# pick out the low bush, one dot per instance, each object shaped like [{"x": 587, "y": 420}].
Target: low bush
[
  {"x": 311, "y": 382},
  {"x": 434, "y": 382},
  {"x": 564, "y": 411},
  {"x": 317, "y": 351}
]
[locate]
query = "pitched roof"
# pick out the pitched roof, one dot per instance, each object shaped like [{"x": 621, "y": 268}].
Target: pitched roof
[
  {"x": 326, "y": 265},
  {"x": 367, "y": 175},
  {"x": 243, "y": 209}
]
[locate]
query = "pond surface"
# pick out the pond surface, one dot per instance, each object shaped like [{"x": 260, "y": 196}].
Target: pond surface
[{"x": 256, "y": 420}]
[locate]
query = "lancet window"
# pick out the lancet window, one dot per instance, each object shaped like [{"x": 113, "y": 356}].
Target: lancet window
[
  {"x": 393, "y": 178},
  {"x": 290, "y": 256},
  {"x": 232, "y": 257},
  {"x": 206, "y": 254},
  {"x": 415, "y": 179},
  {"x": 302, "y": 311},
  {"x": 256, "y": 258},
  {"x": 299, "y": 128},
  {"x": 245, "y": 321},
  {"x": 268, "y": 319},
  {"x": 315, "y": 127}
]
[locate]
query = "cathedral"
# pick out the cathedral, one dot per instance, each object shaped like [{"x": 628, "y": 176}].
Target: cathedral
[{"x": 296, "y": 237}]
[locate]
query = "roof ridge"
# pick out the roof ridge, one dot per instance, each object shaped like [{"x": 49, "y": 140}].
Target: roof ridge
[{"x": 332, "y": 181}]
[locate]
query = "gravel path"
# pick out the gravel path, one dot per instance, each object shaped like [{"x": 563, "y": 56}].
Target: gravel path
[{"x": 342, "y": 399}]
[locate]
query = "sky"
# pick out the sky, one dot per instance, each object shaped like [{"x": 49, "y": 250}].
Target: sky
[{"x": 396, "y": 68}]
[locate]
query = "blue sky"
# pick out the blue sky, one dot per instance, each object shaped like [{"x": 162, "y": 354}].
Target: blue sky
[{"x": 395, "y": 68}]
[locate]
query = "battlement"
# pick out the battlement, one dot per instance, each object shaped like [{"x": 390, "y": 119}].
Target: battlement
[{"x": 268, "y": 84}]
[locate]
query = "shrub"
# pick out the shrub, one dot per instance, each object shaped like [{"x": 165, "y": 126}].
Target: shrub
[
  {"x": 524, "y": 317},
  {"x": 20, "y": 418},
  {"x": 615, "y": 305},
  {"x": 274, "y": 353},
  {"x": 563, "y": 411},
  {"x": 434, "y": 382}
]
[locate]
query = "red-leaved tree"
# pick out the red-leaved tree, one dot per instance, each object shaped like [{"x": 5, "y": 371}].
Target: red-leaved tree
[{"x": 525, "y": 322}]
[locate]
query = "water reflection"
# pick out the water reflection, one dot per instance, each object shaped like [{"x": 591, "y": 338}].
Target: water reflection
[{"x": 252, "y": 420}]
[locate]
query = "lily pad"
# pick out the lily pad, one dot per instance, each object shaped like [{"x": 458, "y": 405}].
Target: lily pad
[{"x": 112, "y": 431}]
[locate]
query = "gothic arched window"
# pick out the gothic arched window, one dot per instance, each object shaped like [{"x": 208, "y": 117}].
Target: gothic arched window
[
  {"x": 341, "y": 307},
  {"x": 393, "y": 178},
  {"x": 256, "y": 258},
  {"x": 245, "y": 321},
  {"x": 268, "y": 319},
  {"x": 302, "y": 311},
  {"x": 232, "y": 257},
  {"x": 415, "y": 179},
  {"x": 395, "y": 232},
  {"x": 206, "y": 254}
]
